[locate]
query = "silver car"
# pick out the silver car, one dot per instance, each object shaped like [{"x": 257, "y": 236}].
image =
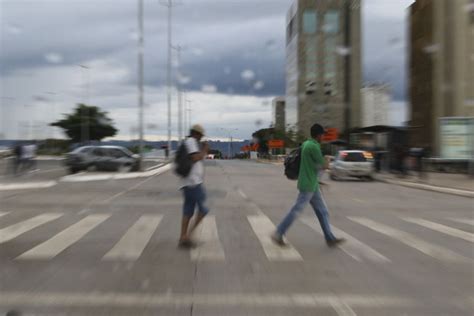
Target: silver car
[
  {"x": 105, "y": 158},
  {"x": 353, "y": 163}
]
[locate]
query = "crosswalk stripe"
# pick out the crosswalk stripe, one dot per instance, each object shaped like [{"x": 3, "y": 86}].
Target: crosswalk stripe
[
  {"x": 15, "y": 230},
  {"x": 211, "y": 248},
  {"x": 441, "y": 228},
  {"x": 263, "y": 228},
  {"x": 52, "y": 247},
  {"x": 3, "y": 213},
  {"x": 132, "y": 244},
  {"x": 411, "y": 240},
  {"x": 463, "y": 221},
  {"x": 353, "y": 247}
]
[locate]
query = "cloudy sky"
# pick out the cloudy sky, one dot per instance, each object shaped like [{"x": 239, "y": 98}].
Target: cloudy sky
[{"x": 232, "y": 61}]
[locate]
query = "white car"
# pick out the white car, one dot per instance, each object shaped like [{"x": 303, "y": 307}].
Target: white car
[{"x": 353, "y": 163}]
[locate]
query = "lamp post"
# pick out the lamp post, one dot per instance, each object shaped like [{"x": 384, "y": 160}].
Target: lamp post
[
  {"x": 140, "y": 81},
  {"x": 85, "y": 100}
]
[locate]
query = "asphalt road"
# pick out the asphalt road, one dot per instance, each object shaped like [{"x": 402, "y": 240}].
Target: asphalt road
[{"x": 110, "y": 248}]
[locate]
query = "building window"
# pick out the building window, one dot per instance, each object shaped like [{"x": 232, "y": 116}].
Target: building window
[
  {"x": 331, "y": 22},
  {"x": 309, "y": 22}
]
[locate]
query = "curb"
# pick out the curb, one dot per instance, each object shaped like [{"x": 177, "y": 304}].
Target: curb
[
  {"x": 84, "y": 178},
  {"x": 121, "y": 176},
  {"x": 427, "y": 187}
]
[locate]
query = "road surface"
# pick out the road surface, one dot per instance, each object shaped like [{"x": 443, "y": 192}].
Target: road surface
[{"x": 110, "y": 248}]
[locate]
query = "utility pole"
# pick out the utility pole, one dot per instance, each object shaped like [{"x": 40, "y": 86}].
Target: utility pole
[
  {"x": 85, "y": 100},
  {"x": 140, "y": 81},
  {"x": 178, "y": 88},
  {"x": 169, "y": 4},
  {"x": 188, "y": 112}
]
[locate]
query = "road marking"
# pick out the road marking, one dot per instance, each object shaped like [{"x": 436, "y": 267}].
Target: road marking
[
  {"x": 132, "y": 244},
  {"x": 52, "y": 247},
  {"x": 3, "y": 213},
  {"x": 429, "y": 249},
  {"x": 341, "y": 307},
  {"x": 358, "y": 200},
  {"x": 15, "y": 230},
  {"x": 353, "y": 247},
  {"x": 119, "y": 176},
  {"x": 441, "y": 228},
  {"x": 211, "y": 248},
  {"x": 242, "y": 194},
  {"x": 264, "y": 228},
  {"x": 463, "y": 221},
  {"x": 342, "y": 303},
  {"x": 28, "y": 185}
]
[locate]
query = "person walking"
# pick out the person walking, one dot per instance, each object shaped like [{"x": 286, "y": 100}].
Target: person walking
[
  {"x": 192, "y": 186},
  {"x": 17, "y": 159},
  {"x": 309, "y": 190}
]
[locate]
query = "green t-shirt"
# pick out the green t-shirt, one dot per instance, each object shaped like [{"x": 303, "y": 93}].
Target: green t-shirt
[{"x": 311, "y": 160}]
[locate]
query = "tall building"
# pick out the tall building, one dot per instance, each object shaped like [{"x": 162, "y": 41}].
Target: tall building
[
  {"x": 441, "y": 66},
  {"x": 279, "y": 113},
  {"x": 323, "y": 64},
  {"x": 375, "y": 105}
]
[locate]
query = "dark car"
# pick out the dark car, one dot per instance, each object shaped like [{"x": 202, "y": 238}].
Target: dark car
[{"x": 103, "y": 158}]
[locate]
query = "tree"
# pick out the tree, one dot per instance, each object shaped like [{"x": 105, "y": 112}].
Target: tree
[{"x": 96, "y": 123}]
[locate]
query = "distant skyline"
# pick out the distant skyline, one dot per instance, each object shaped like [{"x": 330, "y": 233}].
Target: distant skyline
[{"x": 232, "y": 60}]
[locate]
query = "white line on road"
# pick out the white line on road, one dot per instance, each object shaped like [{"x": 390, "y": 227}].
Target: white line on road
[
  {"x": 354, "y": 248},
  {"x": 15, "y": 230},
  {"x": 52, "y": 247},
  {"x": 341, "y": 307},
  {"x": 427, "y": 248},
  {"x": 29, "y": 185},
  {"x": 242, "y": 194},
  {"x": 442, "y": 228},
  {"x": 343, "y": 303},
  {"x": 3, "y": 213},
  {"x": 264, "y": 228},
  {"x": 468, "y": 221},
  {"x": 132, "y": 244},
  {"x": 211, "y": 249}
]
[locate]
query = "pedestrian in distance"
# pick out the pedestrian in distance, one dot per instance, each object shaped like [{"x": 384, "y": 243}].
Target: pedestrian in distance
[
  {"x": 311, "y": 162},
  {"x": 17, "y": 159},
  {"x": 192, "y": 185}
]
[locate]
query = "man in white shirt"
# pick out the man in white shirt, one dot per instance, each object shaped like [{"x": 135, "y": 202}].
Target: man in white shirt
[{"x": 192, "y": 186}]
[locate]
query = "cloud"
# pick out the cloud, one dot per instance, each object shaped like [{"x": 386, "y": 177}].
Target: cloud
[{"x": 232, "y": 58}]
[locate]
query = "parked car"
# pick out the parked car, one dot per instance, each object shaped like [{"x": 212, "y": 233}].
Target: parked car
[
  {"x": 103, "y": 158},
  {"x": 353, "y": 163}
]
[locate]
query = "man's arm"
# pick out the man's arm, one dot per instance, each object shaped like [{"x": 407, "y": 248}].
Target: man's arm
[{"x": 200, "y": 155}]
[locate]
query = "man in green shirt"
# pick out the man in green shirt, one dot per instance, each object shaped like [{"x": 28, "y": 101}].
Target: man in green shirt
[{"x": 312, "y": 161}]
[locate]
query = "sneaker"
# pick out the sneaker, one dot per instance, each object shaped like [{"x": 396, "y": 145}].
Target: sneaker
[
  {"x": 278, "y": 239},
  {"x": 335, "y": 242}
]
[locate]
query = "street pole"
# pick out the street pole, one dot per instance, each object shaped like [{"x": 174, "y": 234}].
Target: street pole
[
  {"x": 180, "y": 105},
  {"x": 140, "y": 81},
  {"x": 85, "y": 100}
]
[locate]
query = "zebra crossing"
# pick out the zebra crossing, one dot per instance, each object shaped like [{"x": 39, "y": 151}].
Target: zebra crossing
[{"x": 134, "y": 240}]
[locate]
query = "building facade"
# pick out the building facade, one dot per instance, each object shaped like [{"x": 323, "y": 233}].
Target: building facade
[
  {"x": 441, "y": 66},
  {"x": 278, "y": 108},
  {"x": 375, "y": 105},
  {"x": 323, "y": 64}
]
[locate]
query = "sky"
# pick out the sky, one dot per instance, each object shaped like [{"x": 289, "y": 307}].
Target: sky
[{"x": 232, "y": 62}]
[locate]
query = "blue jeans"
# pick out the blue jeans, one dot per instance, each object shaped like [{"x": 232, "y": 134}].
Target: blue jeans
[
  {"x": 194, "y": 195},
  {"x": 320, "y": 209}
]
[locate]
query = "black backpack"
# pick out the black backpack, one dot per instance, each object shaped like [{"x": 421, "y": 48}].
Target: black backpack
[
  {"x": 182, "y": 161},
  {"x": 292, "y": 164}
]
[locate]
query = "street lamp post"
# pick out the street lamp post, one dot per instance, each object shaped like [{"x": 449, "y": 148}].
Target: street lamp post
[
  {"x": 169, "y": 4},
  {"x": 85, "y": 100},
  {"x": 140, "y": 81}
]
